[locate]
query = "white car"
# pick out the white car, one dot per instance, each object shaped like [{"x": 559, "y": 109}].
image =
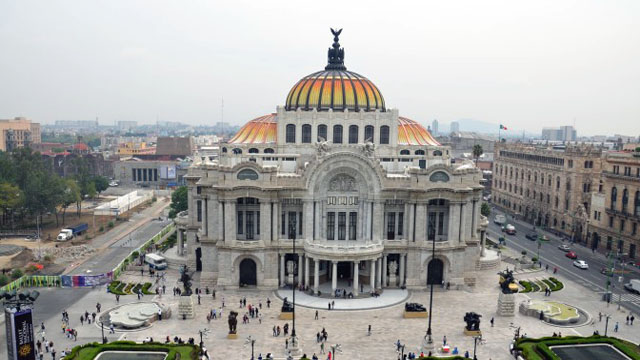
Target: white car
[
  {"x": 581, "y": 264},
  {"x": 113, "y": 183}
]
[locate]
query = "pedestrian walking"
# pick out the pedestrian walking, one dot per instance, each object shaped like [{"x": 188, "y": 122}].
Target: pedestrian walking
[
  {"x": 444, "y": 340},
  {"x": 82, "y": 320},
  {"x": 98, "y": 307},
  {"x": 316, "y": 315},
  {"x": 627, "y": 320},
  {"x": 492, "y": 320},
  {"x": 615, "y": 328},
  {"x": 631, "y": 319},
  {"x": 321, "y": 348},
  {"x": 600, "y": 316}
]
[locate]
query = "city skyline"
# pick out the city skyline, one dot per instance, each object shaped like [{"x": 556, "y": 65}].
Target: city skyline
[{"x": 519, "y": 65}]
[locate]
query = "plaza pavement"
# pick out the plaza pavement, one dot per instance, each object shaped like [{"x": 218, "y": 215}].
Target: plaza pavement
[{"x": 348, "y": 328}]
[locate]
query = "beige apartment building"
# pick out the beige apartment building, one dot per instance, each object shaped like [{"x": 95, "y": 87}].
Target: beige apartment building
[
  {"x": 615, "y": 214},
  {"x": 18, "y": 132},
  {"x": 547, "y": 187}
]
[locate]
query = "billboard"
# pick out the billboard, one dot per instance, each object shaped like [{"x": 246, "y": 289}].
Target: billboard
[
  {"x": 20, "y": 340},
  {"x": 167, "y": 172}
]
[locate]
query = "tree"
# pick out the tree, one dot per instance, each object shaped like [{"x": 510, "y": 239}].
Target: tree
[
  {"x": 477, "y": 151},
  {"x": 84, "y": 180},
  {"x": 485, "y": 209},
  {"x": 101, "y": 183},
  {"x": 10, "y": 199},
  {"x": 179, "y": 201},
  {"x": 70, "y": 196}
]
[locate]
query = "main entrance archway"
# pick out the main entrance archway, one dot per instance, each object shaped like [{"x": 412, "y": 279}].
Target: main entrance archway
[
  {"x": 435, "y": 272},
  {"x": 248, "y": 274}
]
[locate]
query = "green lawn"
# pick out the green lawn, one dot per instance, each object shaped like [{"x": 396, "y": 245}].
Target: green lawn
[
  {"x": 538, "y": 349},
  {"x": 90, "y": 351}
]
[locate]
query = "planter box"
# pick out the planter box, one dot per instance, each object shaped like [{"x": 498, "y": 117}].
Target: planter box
[
  {"x": 415, "y": 315},
  {"x": 286, "y": 316}
]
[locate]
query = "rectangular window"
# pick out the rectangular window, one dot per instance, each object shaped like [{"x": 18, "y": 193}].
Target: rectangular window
[
  {"x": 620, "y": 245},
  {"x": 609, "y": 242},
  {"x": 632, "y": 251},
  {"x": 258, "y": 222},
  {"x": 621, "y": 225},
  {"x": 342, "y": 225},
  {"x": 249, "y": 235},
  {"x": 139, "y": 174},
  {"x": 292, "y": 224},
  {"x": 144, "y": 174},
  {"x": 240, "y": 223},
  {"x": 283, "y": 223},
  {"x": 199, "y": 210},
  {"x": 331, "y": 225},
  {"x": 400, "y": 223},
  {"x": 133, "y": 174},
  {"x": 155, "y": 174},
  {"x": 634, "y": 228},
  {"x": 610, "y": 221},
  {"x": 300, "y": 223},
  {"x": 431, "y": 226},
  {"x": 353, "y": 222},
  {"x": 441, "y": 223},
  {"x": 391, "y": 225}
]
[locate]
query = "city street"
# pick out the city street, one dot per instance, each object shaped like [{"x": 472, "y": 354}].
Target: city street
[{"x": 550, "y": 254}]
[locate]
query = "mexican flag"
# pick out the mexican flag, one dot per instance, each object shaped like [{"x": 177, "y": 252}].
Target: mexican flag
[{"x": 502, "y": 127}]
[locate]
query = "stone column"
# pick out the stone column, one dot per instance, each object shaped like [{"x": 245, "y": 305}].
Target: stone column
[
  {"x": 282, "y": 273},
  {"x": 454, "y": 222},
  {"x": 316, "y": 275},
  {"x": 378, "y": 273},
  {"x": 230, "y": 222},
  {"x": 212, "y": 219},
  {"x": 299, "y": 269},
  {"x": 265, "y": 221},
  {"x": 402, "y": 264},
  {"x": 221, "y": 220},
  {"x": 378, "y": 220},
  {"x": 408, "y": 222},
  {"x": 275, "y": 228},
  {"x": 482, "y": 247},
  {"x": 464, "y": 222},
  {"x": 475, "y": 210},
  {"x": 307, "y": 227},
  {"x": 372, "y": 275},
  {"x": 384, "y": 271},
  {"x": 318, "y": 220},
  {"x": 180, "y": 243},
  {"x": 367, "y": 219},
  {"x": 334, "y": 276},
  {"x": 356, "y": 274},
  {"x": 205, "y": 223},
  {"x": 421, "y": 222},
  {"x": 306, "y": 271}
]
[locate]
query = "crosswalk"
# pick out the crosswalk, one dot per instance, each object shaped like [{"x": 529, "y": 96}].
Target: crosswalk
[{"x": 626, "y": 297}]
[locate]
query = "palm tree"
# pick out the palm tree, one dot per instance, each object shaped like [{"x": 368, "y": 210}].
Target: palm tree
[{"x": 477, "y": 151}]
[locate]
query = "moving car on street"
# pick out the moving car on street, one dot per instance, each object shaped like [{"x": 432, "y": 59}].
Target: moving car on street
[
  {"x": 581, "y": 264},
  {"x": 571, "y": 255},
  {"x": 500, "y": 219},
  {"x": 564, "y": 247},
  {"x": 533, "y": 236},
  {"x": 510, "y": 229}
]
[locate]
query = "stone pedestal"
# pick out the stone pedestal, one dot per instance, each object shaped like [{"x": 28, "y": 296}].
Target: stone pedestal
[
  {"x": 286, "y": 315},
  {"x": 294, "y": 348},
  {"x": 186, "y": 308},
  {"x": 415, "y": 315},
  {"x": 232, "y": 336},
  {"x": 427, "y": 345},
  {"x": 506, "y": 304},
  {"x": 472, "y": 332},
  {"x": 393, "y": 280}
]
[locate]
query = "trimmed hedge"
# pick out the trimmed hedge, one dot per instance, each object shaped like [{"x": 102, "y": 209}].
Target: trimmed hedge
[
  {"x": 120, "y": 288},
  {"x": 91, "y": 350},
  {"x": 527, "y": 286},
  {"x": 538, "y": 349},
  {"x": 145, "y": 289},
  {"x": 558, "y": 284}
]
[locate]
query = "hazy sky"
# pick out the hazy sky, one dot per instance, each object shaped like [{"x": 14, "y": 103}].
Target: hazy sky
[{"x": 526, "y": 64}]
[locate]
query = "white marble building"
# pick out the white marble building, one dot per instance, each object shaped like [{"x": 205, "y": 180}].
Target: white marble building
[{"x": 363, "y": 192}]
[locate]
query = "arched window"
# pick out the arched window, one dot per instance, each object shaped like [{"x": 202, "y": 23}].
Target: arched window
[
  {"x": 337, "y": 134},
  {"x": 224, "y": 149},
  {"x": 614, "y": 197},
  {"x": 322, "y": 133},
  {"x": 405, "y": 152},
  {"x": 368, "y": 133},
  {"x": 568, "y": 184},
  {"x": 237, "y": 151},
  {"x": 269, "y": 151},
  {"x": 558, "y": 183},
  {"x": 384, "y": 134},
  {"x": 625, "y": 200},
  {"x": 290, "y": 134},
  {"x": 353, "y": 134},
  {"x": 439, "y": 153},
  {"x": 253, "y": 151},
  {"x": 549, "y": 181},
  {"x": 419, "y": 152},
  {"x": 535, "y": 177},
  {"x": 306, "y": 133},
  {"x": 636, "y": 204},
  {"x": 247, "y": 174}
]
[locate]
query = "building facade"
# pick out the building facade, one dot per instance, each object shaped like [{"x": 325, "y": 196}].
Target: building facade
[
  {"x": 548, "y": 188},
  {"x": 18, "y": 132},
  {"x": 615, "y": 216},
  {"x": 563, "y": 133},
  {"x": 361, "y": 192}
]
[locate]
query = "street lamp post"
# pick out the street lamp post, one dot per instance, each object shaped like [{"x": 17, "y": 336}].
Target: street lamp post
[
  {"x": 203, "y": 334},
  {"x": 104, "y": 340},
  {"x": 621, "y": 279},
  {"x": 606, "y": 324},
  {"x": 335, "y": 348},
  {"x": 428, "y": 340},
  {"x": 292, "y": 235},
  {"x": 252, "y": 341},
  {"x": 476, "y": 339}
]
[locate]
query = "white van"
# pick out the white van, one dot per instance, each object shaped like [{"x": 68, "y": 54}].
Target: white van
[
  {"x": 500, "y": 219},
  {"x": 155, "y": 261}
]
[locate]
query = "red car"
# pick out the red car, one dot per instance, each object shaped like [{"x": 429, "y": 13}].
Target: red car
[{"x": 571, "y": 255}]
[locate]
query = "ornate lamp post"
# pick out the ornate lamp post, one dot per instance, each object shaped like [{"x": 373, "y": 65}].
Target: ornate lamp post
[
  {"x": 252, "y": 341},
  {"x": 427, "y": 343},
  {"x": 293, "y": 347}
]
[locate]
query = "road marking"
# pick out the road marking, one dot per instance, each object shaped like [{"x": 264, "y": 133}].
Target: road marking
[{"x": 559, "y": 266}]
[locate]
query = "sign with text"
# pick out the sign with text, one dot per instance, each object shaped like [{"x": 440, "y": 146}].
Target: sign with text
[{"x": 20, "y": 339}]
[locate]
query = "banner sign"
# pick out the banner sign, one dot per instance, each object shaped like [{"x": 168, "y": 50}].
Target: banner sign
[{"x": 20, "y": 339}]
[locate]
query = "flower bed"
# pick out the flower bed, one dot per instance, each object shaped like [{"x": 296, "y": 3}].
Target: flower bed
[{"x": 120, "y": 288}]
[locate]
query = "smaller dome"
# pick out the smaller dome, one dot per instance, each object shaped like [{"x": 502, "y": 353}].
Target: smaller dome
[
  {"x": 261, "y": 130},
  {"x": 410, "y": 132}
]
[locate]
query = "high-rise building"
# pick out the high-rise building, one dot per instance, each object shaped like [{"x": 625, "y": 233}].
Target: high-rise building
[
  {"x": 563, "y": 133},
  {"x": 18, "y": 132},
  {"x": 434, "y": 127},
  {"x": 455, "y": 126},
  {"x": 77, "y": 124}
]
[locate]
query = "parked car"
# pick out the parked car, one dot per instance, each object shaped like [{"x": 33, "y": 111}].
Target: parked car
[
  {"x": 532, "y": 236},
  {"x": 113, "y": 183},
  {"x": 571, "y": 255},
  {"x": 510, "y": 229},
  {"x": 500, "y": 219},
  {"x": 564, "y": 247},
  {"x": 581, "y": 264}
]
